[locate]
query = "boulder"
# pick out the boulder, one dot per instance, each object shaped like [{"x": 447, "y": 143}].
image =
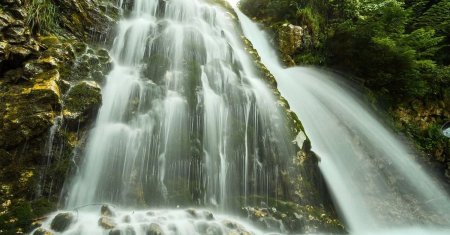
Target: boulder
[
  {"x": 106, "y": 222},
  {"x": 127, "y": 231},
  {"x": 208, "y": 215},
  {"x": 62, "y": 221},
  {"x": 105, "y": 210},
  {"x": 154, "y": 229},
  {"x": 291, "y": 38},
  {"x": 28, "y": 110},
  {"x": 42, "y": 231},
  {"x": 17, "y": 34},
  {"x": 4, "y": 51},
  {"x": 81, "y": 103},
  {"x": 35, "y": 67}
]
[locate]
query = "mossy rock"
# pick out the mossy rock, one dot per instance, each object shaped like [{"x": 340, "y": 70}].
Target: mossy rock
[
  {"x": 62, "y": 221},
  {"x": 81, "y": 103},
  {"x": 41, "y": 231}
]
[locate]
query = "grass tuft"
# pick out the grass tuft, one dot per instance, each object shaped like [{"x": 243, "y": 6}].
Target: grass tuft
[{"x": 42, "y": 15}]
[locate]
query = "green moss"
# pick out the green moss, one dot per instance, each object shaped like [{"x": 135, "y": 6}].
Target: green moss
[
  {"x": 42, "y": 207},
  {"x": 289, "y": 213},
  {"x": 17, "y": 218}
]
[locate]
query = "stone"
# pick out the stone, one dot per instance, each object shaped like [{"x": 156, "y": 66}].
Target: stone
[
  {"x": 114, "y": 232},
  {"x": 19, "y": 12},
  {"x": 80, "y": 48},
  {"x": 229, "y": 224},
  {"x": 35, "y": 67},
  {"x": 213, "y": 230},
  {"x": 81, "y": 103},
  {"x": 208, "y": 215},
  {"x": 28, "y": 110},
  {"x": 47, "y": 83},
  {"x": 192, "y": 212},
  {"x": 106, "y": 222},
  {"x": 291, "y": 38},
  {"x": 272, "y": 223},
  {"x": 5, "y": 20},
  {"x": 49, "y": 41},
  {"x": 42, "y": 231},
  {"x": 127, "y": 231},
  {"x": 18, "y": 53},
  {"x": 62, "y": 221},
  {"x": 126, "y": 219},
  {"x": 17, "y": 34},
  {"x": 105, "y": 210},
  {"x": 154, "y": 229},
  {"x": 4, "y": 51}
]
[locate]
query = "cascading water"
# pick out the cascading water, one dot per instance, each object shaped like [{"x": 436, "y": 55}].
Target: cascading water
[
  {"x": 181, "y": 107},
  {"x": 185, "y": 121},
  {"x": 376, "y": 183}
]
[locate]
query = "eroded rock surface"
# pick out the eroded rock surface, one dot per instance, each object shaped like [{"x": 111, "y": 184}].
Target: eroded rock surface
[{"x": 37, "y": 67}]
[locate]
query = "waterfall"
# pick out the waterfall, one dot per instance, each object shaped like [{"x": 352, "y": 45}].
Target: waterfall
[
  {"x": 186, "y": 121},
  {"x": 373, "y": 176},
  {"x": 185, "y": 118}
]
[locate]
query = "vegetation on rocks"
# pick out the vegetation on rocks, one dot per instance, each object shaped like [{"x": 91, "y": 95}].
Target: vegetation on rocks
[{"x": 37, "y": 56}]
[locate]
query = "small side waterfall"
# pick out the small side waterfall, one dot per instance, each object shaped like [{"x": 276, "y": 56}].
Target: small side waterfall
[
  {"x": 373, "y": 175},
  {"x": 185, "y": 119}
]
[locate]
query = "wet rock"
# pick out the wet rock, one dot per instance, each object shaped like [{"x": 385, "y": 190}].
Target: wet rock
[
  {"x": 49, "y": 41},
  {"x": 17, "y": 35},
  {"x": 271, "y": 223},
  {"x": 213, "y": 230},
  {"x": 28, "y": 110},
  {"x": 80, "y": 48},
  {"x": 19, "y": 13},
  {"x": 115, "y": 232},
  {"x": 208, "y": 229},
  {"x": 5, "y": 20},
  {"x": 105, "y": 210},
  {"x": 126, "y": 219},
  {"x": 192, "y": 212},
  {"x": 201, "y": 227},
  {"x": 11, "y": 2},
  {"x": 91, "y": 65},
  {"x": 42, "y": 231},
  {"x": 208, "y": 215},
  {"x": 81, "y": 103},
  {"x": 229, "y": 224},
  {"x": 35, "y": 67},
  {"x": 173, "y": 228},
  {"x": 292, "y": 38},
  {"x": 62, "y": 221},
  {"x": 4, "y": 51},
  {"x": 18, "y": 53},
  {"x": 127, "y": 231},
  {"x": 106, "y": 223},
  {"x": 154, "y": 229}
]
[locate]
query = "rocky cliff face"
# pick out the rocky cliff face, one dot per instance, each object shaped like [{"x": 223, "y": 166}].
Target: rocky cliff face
[{"x": 49, "y": 94}]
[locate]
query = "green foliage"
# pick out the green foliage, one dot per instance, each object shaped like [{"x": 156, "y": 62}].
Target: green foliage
[
  {"x": 399, "y": 48},
  {"x": 42, "y": 15},
  {"x": 377, "y": 47}
]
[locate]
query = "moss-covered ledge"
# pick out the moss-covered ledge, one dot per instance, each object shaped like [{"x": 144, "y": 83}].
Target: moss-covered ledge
[{"x": 46, "y": 47}]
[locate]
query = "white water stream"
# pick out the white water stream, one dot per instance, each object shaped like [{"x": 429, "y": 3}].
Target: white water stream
[{"x": 373, "y": 176}]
